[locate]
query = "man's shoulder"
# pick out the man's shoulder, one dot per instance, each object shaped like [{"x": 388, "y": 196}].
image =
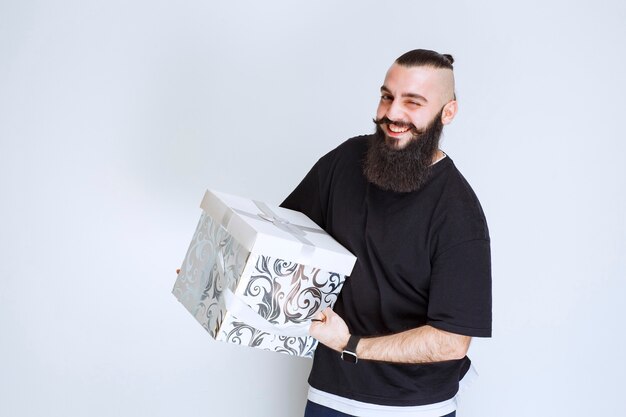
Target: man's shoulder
[
  {"x": 355, "y": 146},
  {"x": 349, "y": 153},
  {"x": 459, "y": 202},
  {"x": 357, "y": 142},
  {"x": 456, "y": 185}
]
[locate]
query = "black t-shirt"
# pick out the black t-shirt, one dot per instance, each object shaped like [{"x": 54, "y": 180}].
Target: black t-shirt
[{"x": 423, "y": 258}]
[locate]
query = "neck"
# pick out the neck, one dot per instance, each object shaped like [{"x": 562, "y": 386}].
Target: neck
[{"x": 439, "y": 155}]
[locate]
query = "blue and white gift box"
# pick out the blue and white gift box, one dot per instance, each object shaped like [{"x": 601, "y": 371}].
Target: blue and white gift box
[{"x": 256, "y": 275}]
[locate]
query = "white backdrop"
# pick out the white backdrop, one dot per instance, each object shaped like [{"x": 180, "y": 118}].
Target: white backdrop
[{"x": 116, "y": 115}]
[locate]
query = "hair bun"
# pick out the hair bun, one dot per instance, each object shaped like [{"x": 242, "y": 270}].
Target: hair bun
[{"x": 449, "y": 58}]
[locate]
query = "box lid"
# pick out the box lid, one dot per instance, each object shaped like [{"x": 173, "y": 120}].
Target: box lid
[{"x": 277, "y": 232}]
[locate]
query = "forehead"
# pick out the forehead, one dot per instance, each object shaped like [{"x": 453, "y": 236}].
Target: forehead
[{"x": 425, "y": 81}]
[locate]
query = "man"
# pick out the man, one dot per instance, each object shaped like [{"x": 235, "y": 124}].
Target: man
[{"x": 397, "y": 340}]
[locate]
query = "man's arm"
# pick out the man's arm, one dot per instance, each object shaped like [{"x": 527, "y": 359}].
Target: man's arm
[{"x": 420, "y": 345}]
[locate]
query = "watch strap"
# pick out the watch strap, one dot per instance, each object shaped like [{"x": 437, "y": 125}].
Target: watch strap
[{"x": 349, "y": 352}]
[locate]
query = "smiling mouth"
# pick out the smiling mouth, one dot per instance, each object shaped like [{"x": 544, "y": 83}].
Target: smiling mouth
[{"x": 397, "y": 129}]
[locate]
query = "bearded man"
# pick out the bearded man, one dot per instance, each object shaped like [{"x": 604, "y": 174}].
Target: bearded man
[{"x": 397, "y": 340}]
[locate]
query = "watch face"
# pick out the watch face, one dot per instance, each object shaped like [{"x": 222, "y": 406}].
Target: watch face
[{"x": 349, "y": 356}]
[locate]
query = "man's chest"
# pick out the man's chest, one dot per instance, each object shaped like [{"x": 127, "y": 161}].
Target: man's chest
[{"x": 389, "y": 233}]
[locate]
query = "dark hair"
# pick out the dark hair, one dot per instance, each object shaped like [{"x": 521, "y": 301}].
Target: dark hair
[{"x": 426, "y": 58}]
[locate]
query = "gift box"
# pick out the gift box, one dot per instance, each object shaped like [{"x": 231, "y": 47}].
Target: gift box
[{"x": 256, "y": 275}]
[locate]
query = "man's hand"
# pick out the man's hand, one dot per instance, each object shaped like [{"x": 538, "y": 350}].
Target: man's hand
[{"x": 330, "y": 329}]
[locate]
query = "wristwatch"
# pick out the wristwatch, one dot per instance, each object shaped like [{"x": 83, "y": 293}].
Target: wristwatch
[{"x": 349, "y": 352}]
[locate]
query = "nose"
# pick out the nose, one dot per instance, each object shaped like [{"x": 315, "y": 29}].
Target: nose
[{"x": 394, "y": 111}]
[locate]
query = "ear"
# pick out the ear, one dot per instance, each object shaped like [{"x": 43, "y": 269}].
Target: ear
[{"x": 449, "y": 111}]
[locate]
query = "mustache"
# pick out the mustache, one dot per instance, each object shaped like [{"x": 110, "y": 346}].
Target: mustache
[{"x": 386, "y": 121}]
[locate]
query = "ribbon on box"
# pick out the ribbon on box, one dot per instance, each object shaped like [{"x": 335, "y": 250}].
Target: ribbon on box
[
  {"x": 267, "y": 214},
  {"x": 297, "y": 231}
]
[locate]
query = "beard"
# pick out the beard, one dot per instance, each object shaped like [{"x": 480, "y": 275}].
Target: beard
[{"x": 402, "y": 170}]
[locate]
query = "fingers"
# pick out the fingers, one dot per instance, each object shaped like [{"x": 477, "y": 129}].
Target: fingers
[
  {"x": 320, "y": 316},
  {"x": 323, "y": 316},
  {"x": 328, "y": 314},
  {"x": 329, "y": 329}
]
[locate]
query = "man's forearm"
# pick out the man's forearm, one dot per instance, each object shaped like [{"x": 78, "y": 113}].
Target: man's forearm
[{"x": 420, "y": 345}]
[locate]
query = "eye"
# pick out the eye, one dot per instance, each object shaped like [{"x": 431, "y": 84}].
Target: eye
[
  {"x": 386, "y": 97},
  {"x": 414, "y": 104}
]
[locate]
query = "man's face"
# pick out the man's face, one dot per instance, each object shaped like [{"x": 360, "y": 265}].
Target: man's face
[{"x": 411, "y": 97}]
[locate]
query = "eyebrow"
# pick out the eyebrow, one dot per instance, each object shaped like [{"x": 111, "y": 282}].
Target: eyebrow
[{"x": 411, "y": 95}]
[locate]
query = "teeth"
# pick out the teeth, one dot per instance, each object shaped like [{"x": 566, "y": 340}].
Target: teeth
[{"x": 396, "y": 129}]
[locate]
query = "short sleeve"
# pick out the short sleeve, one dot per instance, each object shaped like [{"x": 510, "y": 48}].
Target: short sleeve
[
  {"x": 306, "y": 198},
  {"x": 460, "y": 289}
]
